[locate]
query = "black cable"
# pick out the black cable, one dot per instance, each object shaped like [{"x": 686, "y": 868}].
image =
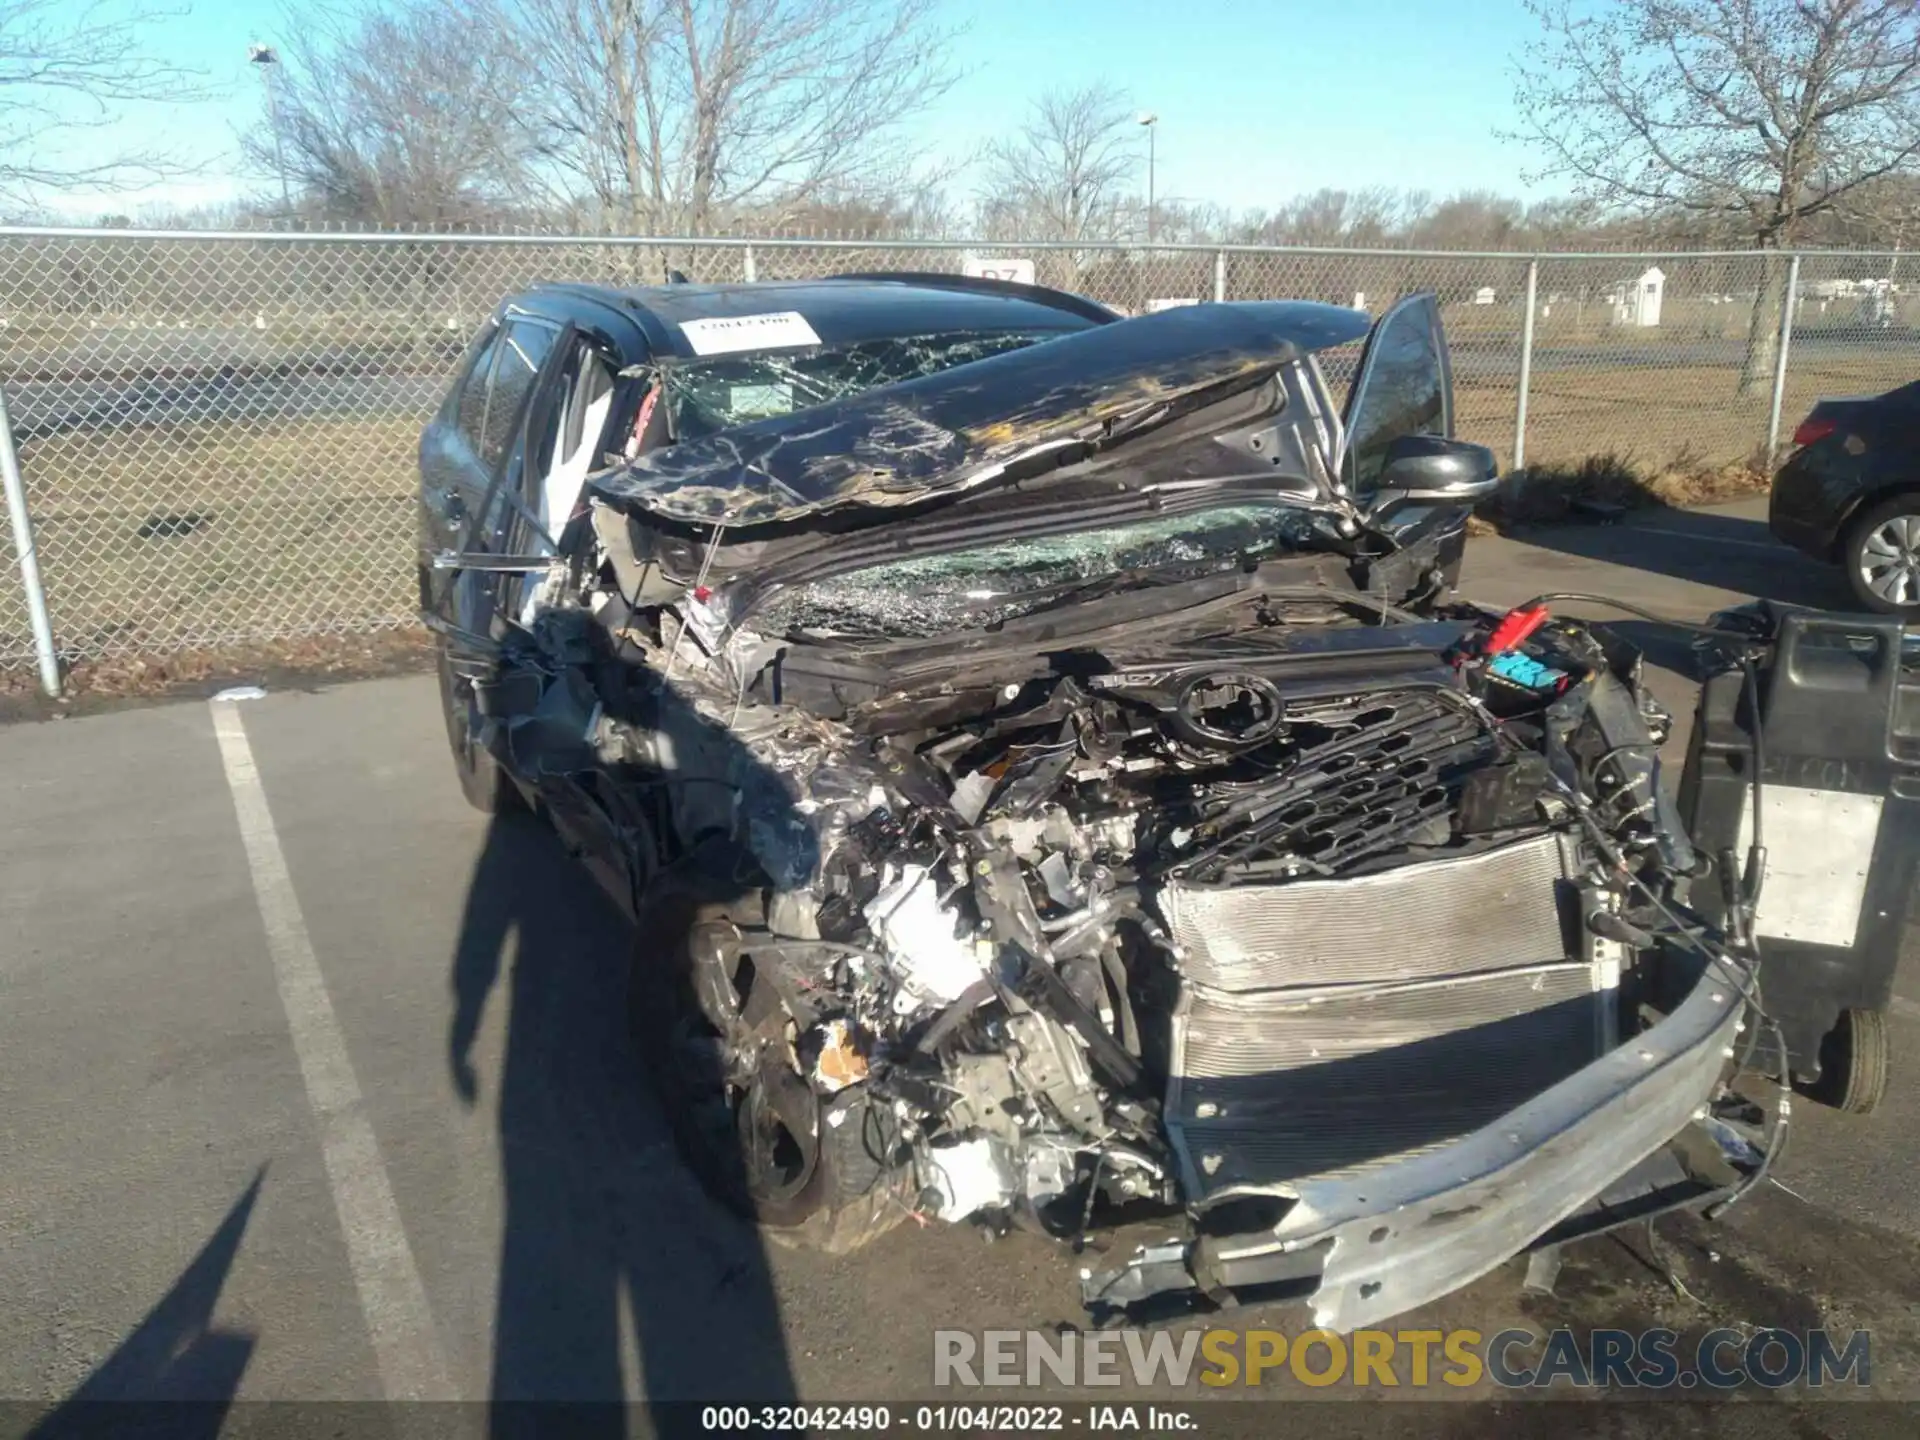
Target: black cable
[
  {"x": 1588, "y": 599},
  {"x": 1613, "y": 750},
  {"x": 1756, "y": 859},
  {"x": 1611, "y": 853},
  {"x": 1756, "y": 847},
  {"x": 1750, "y": 992},
  {"x": 1093, "y": 1191},
  {"x": 1776, "y": 1144},
  {"x": 1753, "y": 1038}
]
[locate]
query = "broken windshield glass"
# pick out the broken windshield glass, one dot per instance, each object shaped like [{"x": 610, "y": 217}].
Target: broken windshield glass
[
  {"x": 937, "y": 594},
  {"x": 712, "y": 395}
]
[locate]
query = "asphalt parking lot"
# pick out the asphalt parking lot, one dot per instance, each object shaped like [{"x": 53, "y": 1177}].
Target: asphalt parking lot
[{"x": 317, "y": 1086}]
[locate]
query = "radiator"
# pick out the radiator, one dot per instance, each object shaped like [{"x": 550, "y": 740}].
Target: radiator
[{"x": 1330, "y": 1026}]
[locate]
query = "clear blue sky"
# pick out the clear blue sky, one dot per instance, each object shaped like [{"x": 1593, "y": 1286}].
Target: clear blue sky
[
  {"x": 1262, "y": 99},
  {"x": 1258, "y": 99}
]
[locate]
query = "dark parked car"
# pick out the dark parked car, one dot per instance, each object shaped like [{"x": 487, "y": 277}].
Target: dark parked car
[
  {"x": 1052, "y": 777},
  {"x": 1849, "y": 495}
]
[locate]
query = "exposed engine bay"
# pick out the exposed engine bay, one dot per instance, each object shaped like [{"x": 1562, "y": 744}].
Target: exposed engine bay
[
  {"x": 1053, "y": 941},
  {"x": 1062, "y": 789}
]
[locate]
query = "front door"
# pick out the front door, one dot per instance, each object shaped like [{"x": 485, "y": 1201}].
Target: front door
[{"x": 1404, "y": 386}]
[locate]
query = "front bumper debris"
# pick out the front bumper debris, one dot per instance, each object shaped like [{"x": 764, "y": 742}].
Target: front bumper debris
[{"x": 1376, "y": 1245}]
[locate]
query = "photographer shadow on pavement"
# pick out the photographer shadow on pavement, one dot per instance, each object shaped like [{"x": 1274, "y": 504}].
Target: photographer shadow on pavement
[
  {"x": 177, "y": 1373},
  {"x": 619, "y": 1277}
]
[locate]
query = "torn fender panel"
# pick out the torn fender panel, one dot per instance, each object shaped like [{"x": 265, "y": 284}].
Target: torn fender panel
[{"x": 966, "y": 425}]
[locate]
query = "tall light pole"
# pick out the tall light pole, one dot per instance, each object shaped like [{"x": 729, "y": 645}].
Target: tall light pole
[
  {"x": 264, "y": 57},
  {"x": 1149, "y": 120}
]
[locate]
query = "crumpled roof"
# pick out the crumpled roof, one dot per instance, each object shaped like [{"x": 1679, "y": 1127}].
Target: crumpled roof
[{"x": 964, "y": 426}]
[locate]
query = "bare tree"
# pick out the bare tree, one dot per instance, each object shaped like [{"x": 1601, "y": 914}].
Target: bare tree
[
  {"x": 677, "y": 115},
  {"x": 66, "y": 68},
  {"x": 909, "y": 211},
  {"x": 1471, "y": 220},
  {"x": 1562, "y": 223},
  {"x": 401, "y": 114},
  {"x": 1377, "y": 215},
  {"x": 1763, "y": 113},
  {"x": 1341, "y": 217},
  {"x": 1063, "y": 174}
]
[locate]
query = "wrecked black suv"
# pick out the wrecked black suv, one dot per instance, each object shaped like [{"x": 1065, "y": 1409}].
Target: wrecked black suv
[{"x": 1054, "y": 784}]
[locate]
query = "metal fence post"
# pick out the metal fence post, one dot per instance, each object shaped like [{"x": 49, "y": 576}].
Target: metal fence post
[
  {"x": 29, "y": 561},
  {"x": 747, "y": 270},
  {"x": 1526, "y": 366},
  {"x": 1780, "y": 361},
  {"x": 1219, "y": 276}
]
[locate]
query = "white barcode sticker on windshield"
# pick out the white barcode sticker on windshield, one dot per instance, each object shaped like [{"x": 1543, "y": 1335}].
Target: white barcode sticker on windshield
[{"x": 725, "y": 334}]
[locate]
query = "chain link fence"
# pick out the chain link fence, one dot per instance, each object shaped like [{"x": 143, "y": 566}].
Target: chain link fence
[{"x": 217, "y": 433}]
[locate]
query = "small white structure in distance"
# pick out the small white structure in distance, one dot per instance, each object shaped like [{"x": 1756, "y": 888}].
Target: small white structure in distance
[
  {"x": 1484, "y": 295},
  {"x": 1154, "y": 307},
  {"x": 1359, "y": 299},
  {"x": 1637, "y": 301},
  {"x": 1019, "y": 270}
]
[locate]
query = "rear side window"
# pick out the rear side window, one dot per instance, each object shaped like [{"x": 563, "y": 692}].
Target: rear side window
[
  {"x": 470, "y": 409},
  {"x": 523, "y": 349}
]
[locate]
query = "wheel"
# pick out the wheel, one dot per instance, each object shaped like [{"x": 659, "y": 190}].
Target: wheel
[
  {"x": 1853, "y": 1063},
  {"x": 1882, "y": 557},
  {"x": 719, "y": 1043},
  {"x": 483, "y": 780}
]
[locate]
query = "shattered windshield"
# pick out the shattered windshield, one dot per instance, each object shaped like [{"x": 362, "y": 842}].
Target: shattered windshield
[
  {"x": 711, "y": 395},
  {"x": 938, "y": 594}
]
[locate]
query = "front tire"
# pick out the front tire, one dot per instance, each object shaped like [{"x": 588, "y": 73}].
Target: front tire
[
  {"x": 717, "y": 1040},
  {"x": 1881, "y": 556}
]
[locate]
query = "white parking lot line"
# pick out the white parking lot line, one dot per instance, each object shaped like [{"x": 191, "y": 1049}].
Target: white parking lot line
[
  {"x": 1906, "y": 1007},
  {"x": 392, "y": 1298}
]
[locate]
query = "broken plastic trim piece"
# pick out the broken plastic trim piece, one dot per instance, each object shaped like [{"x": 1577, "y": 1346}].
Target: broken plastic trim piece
[
  {"x": 482, "y": 560},
  {"x": 471, "y": 640}
]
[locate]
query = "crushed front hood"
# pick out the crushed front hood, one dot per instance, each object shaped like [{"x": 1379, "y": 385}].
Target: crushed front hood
[{"x": 969, "y": 425}]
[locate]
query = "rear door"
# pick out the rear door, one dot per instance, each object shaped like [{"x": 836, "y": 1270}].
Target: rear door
[
  {"x": 451, "y": 478},
  {"x": 474, "y": 468}
]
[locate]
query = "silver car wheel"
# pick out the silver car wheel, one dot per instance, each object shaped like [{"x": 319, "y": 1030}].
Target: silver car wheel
[{"x": 1889, "y": 560}]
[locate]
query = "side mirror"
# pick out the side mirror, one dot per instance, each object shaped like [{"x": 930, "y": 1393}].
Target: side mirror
[{"x": 1427, "y": 467}]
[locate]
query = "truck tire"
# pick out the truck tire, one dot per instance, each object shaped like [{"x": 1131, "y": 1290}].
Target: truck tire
[{"x": 1853, "y": 1063}]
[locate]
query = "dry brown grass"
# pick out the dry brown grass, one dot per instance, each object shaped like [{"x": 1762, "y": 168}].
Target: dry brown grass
[
  {"x": 1599, "y": 486},
  {"x": 93, "y": 685},
  {"x": 1652, "y": 414},
  {"x": 158, "y": 539}
]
